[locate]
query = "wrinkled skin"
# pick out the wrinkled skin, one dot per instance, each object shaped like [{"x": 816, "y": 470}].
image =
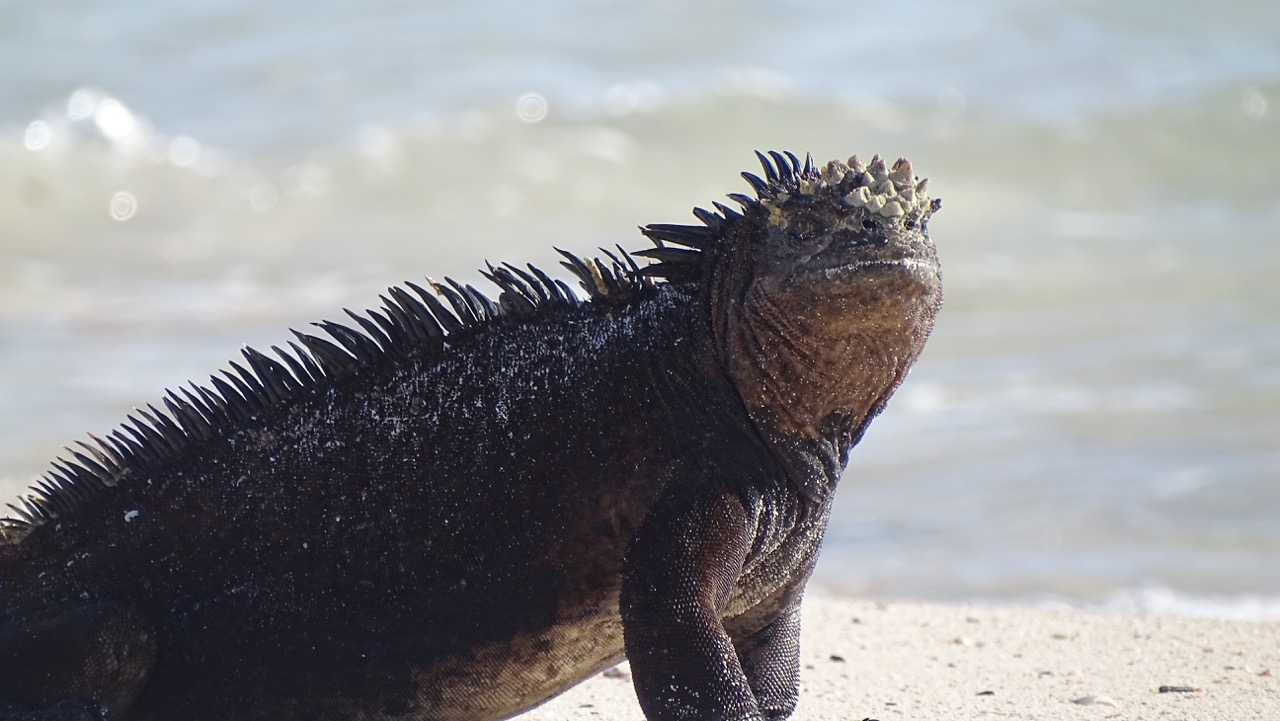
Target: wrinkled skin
[{"x": 462, "y": 529}]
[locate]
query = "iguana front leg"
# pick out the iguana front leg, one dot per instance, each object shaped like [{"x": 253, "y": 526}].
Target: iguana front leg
[{"x": 677, "y": 577}]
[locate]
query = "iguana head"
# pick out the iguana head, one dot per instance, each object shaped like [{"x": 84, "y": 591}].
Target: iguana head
[
  {"x": 822, "y": 290},
  {"x": 840, "y": 250}
]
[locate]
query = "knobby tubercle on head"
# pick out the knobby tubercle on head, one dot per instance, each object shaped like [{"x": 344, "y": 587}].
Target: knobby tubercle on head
[{"x": 890, "y": 193}]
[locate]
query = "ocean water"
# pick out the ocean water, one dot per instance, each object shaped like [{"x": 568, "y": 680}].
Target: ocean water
[{"x": 1096, "y": 421}]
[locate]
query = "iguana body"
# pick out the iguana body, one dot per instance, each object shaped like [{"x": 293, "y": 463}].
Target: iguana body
[{"x": 468, "y": 511}]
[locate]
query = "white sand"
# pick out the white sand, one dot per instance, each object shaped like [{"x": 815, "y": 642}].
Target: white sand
[{"x": 913, "y": 661}]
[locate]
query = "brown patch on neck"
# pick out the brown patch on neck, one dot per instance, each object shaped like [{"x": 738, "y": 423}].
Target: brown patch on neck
[{"x": 798, "y": 369}]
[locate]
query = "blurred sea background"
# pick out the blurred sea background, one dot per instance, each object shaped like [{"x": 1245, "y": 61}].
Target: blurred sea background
[{"x": 1095, "y": 423}]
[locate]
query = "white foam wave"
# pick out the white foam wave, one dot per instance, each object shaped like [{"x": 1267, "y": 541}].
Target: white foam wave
[{"x": 1166, "y": 601}]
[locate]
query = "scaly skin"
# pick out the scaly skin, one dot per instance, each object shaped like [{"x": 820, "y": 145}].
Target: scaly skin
[{"x": 461, "y": 513}]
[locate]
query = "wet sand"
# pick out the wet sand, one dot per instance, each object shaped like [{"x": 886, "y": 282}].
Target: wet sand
[{"x": 917, "y": 661}]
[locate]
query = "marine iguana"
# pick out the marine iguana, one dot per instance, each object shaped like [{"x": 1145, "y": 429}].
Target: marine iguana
[{"x": 465, "y": 506}]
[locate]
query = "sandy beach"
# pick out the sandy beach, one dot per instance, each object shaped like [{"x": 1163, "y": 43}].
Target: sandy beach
[{"x": 917, "y": 661}]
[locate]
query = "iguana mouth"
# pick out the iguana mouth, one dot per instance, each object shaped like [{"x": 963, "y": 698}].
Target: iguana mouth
[{"x": 912, "y": 264}]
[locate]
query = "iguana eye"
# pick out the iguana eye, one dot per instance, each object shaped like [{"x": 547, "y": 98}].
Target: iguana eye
[{"x": 806, "y": 227}]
